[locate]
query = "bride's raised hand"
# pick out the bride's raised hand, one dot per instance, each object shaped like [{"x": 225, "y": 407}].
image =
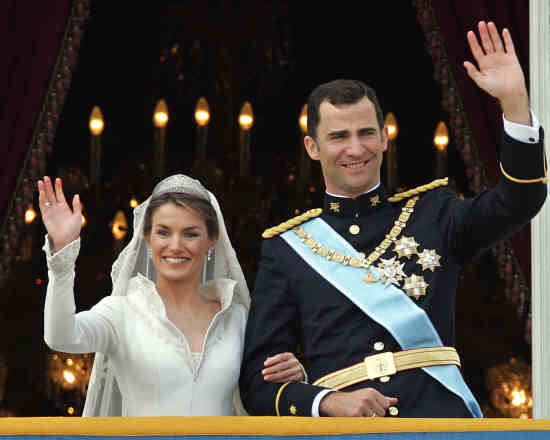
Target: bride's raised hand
[{"x": 62, "y": 223}]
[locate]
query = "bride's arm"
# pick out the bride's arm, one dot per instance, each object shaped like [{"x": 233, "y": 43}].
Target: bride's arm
[{"x": 64, "y": 329}]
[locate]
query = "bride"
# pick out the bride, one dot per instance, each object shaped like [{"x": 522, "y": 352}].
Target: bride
[{"x": 169, "y": 339}]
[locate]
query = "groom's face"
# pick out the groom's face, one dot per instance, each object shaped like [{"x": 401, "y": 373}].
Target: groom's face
[{"x": 349, "y": 143}]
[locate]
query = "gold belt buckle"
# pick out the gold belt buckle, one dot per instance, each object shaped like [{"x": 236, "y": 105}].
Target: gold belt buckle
[{"x": 379, "y": 365}]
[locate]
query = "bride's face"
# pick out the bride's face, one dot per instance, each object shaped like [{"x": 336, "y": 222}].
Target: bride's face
[{"x": 179, "y": 242}]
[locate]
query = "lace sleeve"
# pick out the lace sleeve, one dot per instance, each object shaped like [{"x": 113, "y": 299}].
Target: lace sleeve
[
  {"x": 64, "y": 329},
  {"x": 63, "y": 260}
]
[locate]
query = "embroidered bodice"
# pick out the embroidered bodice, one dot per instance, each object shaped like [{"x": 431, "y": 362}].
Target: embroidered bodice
[{"x": 156, "y": 371}]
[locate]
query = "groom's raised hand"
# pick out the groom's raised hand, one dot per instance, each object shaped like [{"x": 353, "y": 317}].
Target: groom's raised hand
[{"x": 498, "y": 71}]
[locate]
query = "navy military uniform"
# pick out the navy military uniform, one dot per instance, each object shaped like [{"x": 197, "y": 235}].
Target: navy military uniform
[{"x": 293, "y": 305}]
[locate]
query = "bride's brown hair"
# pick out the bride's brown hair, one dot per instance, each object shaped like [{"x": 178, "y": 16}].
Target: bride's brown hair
[{"x": 188, "y": 201}]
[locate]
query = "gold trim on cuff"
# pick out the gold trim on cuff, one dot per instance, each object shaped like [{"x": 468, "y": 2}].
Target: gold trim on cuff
[
  {"x": 281, "y": 388},
  {"x": 513, "y": 179}
]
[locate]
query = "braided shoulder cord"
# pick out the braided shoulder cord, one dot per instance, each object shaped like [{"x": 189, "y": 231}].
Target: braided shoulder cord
[
  {"x": 420, "y": 189},
  {"x": 289, "y": 224}
]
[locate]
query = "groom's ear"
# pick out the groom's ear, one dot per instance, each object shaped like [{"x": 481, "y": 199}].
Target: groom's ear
[{"x": 311, "y": 147}]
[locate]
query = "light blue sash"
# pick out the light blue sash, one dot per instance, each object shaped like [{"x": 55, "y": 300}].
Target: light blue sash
[{"x": 387, "y": 305}]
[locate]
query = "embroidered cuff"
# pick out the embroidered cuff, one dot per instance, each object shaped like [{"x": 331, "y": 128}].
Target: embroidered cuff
[
  {"x": 278, "y": 397},
  {"x": 521, "y": 162},
  {"x": 64, "y": 259}
]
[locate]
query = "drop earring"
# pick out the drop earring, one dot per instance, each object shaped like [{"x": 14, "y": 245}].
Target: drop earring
[{"x": 209, "y": 254}]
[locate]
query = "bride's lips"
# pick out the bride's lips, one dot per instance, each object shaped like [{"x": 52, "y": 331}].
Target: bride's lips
[{"x": 175, "y": 260}]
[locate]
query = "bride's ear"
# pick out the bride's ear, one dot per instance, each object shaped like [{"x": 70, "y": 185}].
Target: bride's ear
[
  {"x": 147, "y": 240},
  {"x": 212, "y": 244}
]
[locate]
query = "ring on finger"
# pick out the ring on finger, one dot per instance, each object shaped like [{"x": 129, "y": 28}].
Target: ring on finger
[
  {"x": 48, "y": 204},
  {"x": 373, "y": 414}
]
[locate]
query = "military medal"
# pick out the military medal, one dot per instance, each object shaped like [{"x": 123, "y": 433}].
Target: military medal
[
  {"x": 429, "y": 259},
  {"x": 415, "y": 286},
  {"x": 388, "y": 271},
  {"x": 406, "y": 247},
  {"x": 391, "y": 271}
]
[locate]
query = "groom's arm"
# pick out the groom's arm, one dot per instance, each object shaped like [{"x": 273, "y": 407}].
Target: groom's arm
[{"x": 273, "y": 327}]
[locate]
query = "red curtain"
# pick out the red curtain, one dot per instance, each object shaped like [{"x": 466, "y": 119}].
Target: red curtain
[
  {"x": 34, "y": 39},
  {"x": 44, "y": 38},
  {"x": 474, "y": 117},
  {"x": 455, "y": 18}
]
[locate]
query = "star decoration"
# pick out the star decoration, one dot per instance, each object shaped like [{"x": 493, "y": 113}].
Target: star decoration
[
  {"x": 375, "y": 200},
  {"x": 335, "y": 206},
  {"x": 390, "y": 271},
  {"x": 406, "y": 247},
  {"x": 429, "y": 259},
  {"x": 415, "y": 286}
]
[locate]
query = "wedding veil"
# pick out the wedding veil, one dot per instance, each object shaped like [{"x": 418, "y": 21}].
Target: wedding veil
[{"x": 103, "y": 397}]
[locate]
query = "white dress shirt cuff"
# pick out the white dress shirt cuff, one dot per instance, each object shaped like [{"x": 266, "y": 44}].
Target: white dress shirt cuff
[
  {"x": 523, "y": 133},
  {"x": 317, "y": 402}
]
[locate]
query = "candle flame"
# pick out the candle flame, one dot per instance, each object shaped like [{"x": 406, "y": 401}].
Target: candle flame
[
  {"x": 120, "y": 226},
  {"x": 202, "y": 112},
  {"x": 30, "y": 215},
  {"x": 302, "y": 120},
  {"x": 391, "y": 126},
  {"x": 518, "y": 397},
  {"x": 160, "y": 118},
  {"x": 96, "y": 121},
  {"x": 246, "y": 117},
  {"x": 441, "y": 136},
  {"x": 69, "y": 376}
]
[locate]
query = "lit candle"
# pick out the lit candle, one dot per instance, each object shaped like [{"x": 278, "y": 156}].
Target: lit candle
[
  {"x": 96, "y": 125},
  {"x": 441, "y": 140},
  {"x": 305, "y": 161},
  {"x": 246, "y": 120},
  {"x": 160, "y": 119},
  {"x": 392, "y": 173},
  {"x": 202, "y": 117},
  {"x": 119, "y": 229}
]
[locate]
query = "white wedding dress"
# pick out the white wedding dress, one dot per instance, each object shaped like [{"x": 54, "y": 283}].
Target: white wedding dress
[{"x": 154, "y": 367}]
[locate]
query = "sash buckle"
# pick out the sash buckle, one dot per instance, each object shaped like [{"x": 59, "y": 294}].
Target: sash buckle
[{"x": 379, "y": 365}]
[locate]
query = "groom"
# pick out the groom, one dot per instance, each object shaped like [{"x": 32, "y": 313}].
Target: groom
[{"x": 366, "y": 286}]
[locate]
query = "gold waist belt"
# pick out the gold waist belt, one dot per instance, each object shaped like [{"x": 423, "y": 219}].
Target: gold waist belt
[{"x": 387, "y": 364}]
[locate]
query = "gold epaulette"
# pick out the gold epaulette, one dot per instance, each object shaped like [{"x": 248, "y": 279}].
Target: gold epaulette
[
  {"x": 419, "y": 189},
  {"x": 289, "y": 224}
]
